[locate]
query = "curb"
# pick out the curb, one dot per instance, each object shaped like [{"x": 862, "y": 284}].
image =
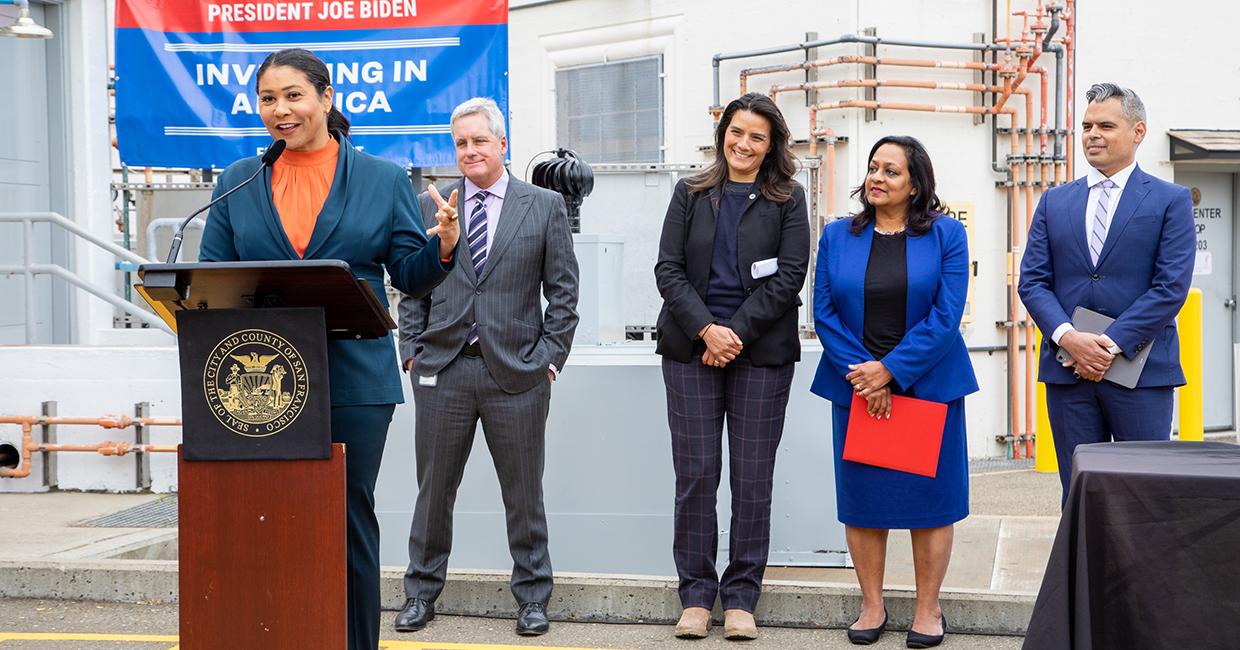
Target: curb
[{"x": 583, "y": 597}]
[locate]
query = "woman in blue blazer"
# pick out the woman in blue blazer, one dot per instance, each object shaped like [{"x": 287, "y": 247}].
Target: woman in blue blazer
[
  {"x": 889, "y": 292},
  {"x": 325, "y": 200}
]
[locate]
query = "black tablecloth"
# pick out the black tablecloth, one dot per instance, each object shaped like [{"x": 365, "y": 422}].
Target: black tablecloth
[{"x": 1147, "y": 554}]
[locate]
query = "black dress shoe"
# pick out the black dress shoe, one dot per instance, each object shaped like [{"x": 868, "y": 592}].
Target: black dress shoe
[
  {"x": 867, "y": 636},
  {"x": 414, "y": 615},
  {"x": 532, "y": 620},
  {"x": 919, "y": 640}
]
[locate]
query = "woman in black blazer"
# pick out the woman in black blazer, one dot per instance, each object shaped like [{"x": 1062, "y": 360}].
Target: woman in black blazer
[{"x": 732, "y": 260}]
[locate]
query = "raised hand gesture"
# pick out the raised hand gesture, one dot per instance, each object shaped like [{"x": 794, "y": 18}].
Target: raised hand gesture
[{"x": 449, "y": 228}]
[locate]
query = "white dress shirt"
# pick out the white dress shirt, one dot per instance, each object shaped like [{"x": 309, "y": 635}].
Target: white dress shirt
[
  {"x": 1094, "y": 178},
  {"x": 494, "y": 204}
]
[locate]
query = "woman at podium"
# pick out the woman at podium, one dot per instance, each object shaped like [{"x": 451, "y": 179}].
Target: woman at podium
[
  {"x": 889, "y": 292},
  {"x": 330, "y": 201}
]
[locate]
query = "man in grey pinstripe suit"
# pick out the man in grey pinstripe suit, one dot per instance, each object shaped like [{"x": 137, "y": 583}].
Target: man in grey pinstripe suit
[{"x": 480, "y": 347}]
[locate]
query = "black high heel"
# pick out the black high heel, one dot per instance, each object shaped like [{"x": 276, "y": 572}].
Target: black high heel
[
  {"x": 867, "y": 636},
  {"x": 919, "y": 640}
]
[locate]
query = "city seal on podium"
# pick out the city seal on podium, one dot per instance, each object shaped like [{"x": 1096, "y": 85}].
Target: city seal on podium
[{"x": 255, "y": 383}]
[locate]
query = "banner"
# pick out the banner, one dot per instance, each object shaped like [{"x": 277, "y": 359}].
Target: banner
[{"x": 186, "y": 73}]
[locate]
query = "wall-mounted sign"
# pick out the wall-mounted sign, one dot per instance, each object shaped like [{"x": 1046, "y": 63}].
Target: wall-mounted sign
[
  {"x": 963, "y": 212},
  {"x": 186, "y": 73}
]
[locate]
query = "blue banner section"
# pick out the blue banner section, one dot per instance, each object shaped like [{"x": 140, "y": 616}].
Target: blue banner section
[{"x": 189, "y": 100}]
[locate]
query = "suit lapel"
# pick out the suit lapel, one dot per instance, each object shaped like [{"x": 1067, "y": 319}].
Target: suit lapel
[
  {"x": 272, "y": 219},
  {"x": 1078, "y": 213},
  {"x": 1134, "y": 192},
  {"x": 920, "y": 252},
  {"x": 462, "y": 243},
  {"x": 697, "y": 263},
  {"x": 516, "y": 207},
  {"x": 856, "y": 262},
  {"x": 333, "y": 208}
]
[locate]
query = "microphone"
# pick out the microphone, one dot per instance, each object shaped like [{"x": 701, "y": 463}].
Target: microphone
[{"x": 269, "y": 158}]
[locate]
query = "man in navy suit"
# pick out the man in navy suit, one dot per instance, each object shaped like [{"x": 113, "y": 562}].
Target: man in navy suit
[{"x": 1122, "y": 243}]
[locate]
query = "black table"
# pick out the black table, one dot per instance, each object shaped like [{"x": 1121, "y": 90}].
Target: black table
[{"x": 1147, "y": 554}]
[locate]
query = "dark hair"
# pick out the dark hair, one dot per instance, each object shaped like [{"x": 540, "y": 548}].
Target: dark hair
[
  {"x": 316, "y": 73},
  {"x": 922, "y": 205},
  {"x": 775, "y": 175},
  {"x": 1130, "y": 104}
]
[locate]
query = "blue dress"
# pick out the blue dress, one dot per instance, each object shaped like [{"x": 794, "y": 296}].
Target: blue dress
[
  {"x": 927, "y": 358},
  {"x": 875, "y": 497}
]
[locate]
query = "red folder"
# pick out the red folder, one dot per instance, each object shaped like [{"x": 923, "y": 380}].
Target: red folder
[{"x": 908, "y": 442}]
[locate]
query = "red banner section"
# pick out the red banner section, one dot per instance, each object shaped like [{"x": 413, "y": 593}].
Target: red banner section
[{"x": 215, "y": 16}]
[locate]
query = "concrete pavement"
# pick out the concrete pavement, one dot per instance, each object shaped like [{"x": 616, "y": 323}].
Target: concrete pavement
[
  {"x": 65, "y": 624},
  {"x": 996, "y": 568}
]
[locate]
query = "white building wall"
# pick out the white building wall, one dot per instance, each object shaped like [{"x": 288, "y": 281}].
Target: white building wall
[
  {"x": 93, "y": 382},
  {"x": 1180, "y": 58},
  {"x": 596, "y": 31},
  {"x": 1180, "y": 61},
  {"x": 90, "y": 204},
  {"x": 1179, "y": 92}
]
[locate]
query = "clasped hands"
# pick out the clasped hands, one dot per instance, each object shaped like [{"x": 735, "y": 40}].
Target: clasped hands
[
  {"x": 722, "y": 345},
  {"x": 870, "y": 380},
  {"x": 449, "y": 227},
  {"x": 1091, "y": 357}
]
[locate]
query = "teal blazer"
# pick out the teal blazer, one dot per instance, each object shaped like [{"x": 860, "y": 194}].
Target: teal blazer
[{"x": 371, "y": 221}]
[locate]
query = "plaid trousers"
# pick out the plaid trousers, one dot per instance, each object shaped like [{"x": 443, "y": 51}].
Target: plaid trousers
[{"x": 753, "y": 401}]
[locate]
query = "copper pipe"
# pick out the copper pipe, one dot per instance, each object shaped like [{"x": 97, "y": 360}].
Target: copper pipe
[
  {"x": 23, "y": 468},
  {"x": 893, "y": 83},
  {"x": 1069, "y": 17},
  {"x": 1029, "y": 360},
  {"x": 815, "y": 132},
  {"x": 916, "y": 63},
  {"x": 1026, "y": 323},
  {"x": 1010, "y": 83},
  {"x": 1013, "y": 298},
  {"x": 829, "y": 135},
  {"x": 1043, "y": 137},
  {"x": 830, "y": 166},
  {"x": 1019, "y": 233},
  {"x": 1030, "y": 404},
  {"x": 106, "y": 448},
  {"x": 866, "y": 60},
  {"x": 107, "y": 421},
  {"x": 1017, "y": 229},
  {"x": 109, "y": 448}
]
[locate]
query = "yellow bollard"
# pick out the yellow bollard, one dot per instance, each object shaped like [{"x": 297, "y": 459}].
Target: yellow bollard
[
  {"x": 1192, "y": 406},
  {"x": 1044, "y": 459}
]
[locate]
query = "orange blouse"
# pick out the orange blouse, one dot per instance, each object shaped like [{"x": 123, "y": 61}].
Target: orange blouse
[{"x": 300, "y": 183}]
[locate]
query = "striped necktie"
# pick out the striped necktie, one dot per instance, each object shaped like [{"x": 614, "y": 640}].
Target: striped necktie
[
  {"x": 477, "y": 237},
  {"x": 1098, "y": 228}
]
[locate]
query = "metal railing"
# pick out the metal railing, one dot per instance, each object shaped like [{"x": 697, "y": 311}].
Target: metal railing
[
  {"x": 28, "y": 269},
  {"x": 168, "y": 223}
]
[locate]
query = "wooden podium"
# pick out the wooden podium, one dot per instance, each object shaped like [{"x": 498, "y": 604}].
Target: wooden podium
[
  {"x": 262, "y": 553},
  {"x": 261, "y": 488}
]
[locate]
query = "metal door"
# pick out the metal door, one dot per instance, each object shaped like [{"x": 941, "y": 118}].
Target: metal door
[
  {"x": 1213, "y": 198},
  {"x": 26, "y": 178}
]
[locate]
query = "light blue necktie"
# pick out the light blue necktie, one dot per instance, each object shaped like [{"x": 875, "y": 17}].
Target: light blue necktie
[{"x": 1098, "y": 229}]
